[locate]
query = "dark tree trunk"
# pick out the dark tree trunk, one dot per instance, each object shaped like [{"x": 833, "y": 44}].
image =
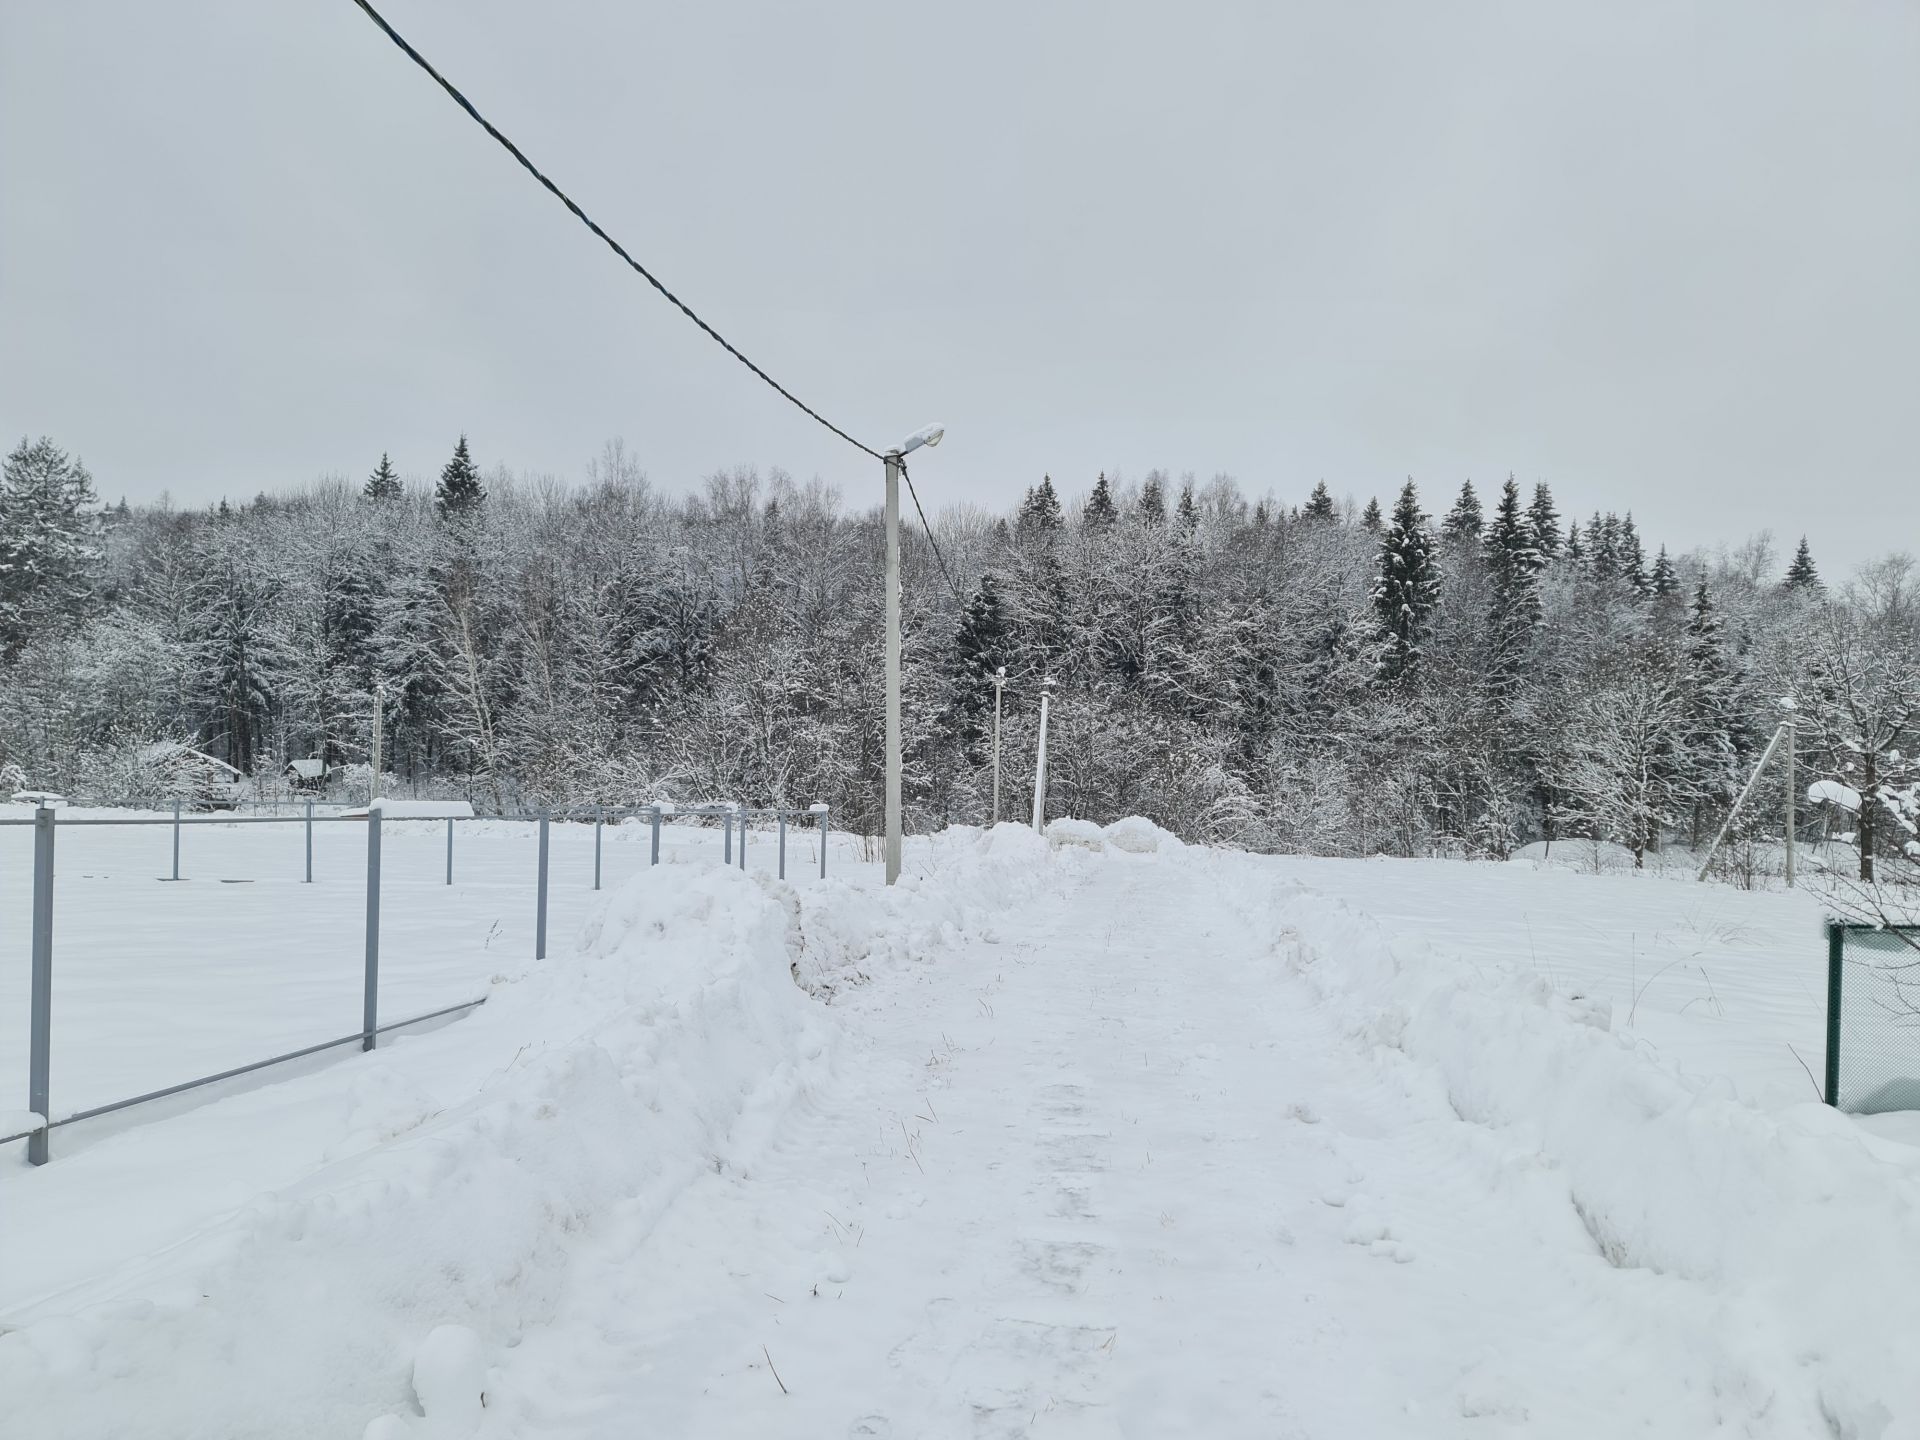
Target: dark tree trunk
[{"x": 1867, "y": 803}]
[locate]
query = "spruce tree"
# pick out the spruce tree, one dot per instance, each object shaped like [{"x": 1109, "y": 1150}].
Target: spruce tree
[
  {"x": 1664, "y": 581},
  {"x": 1153, "y": 500},
  {"x": 1406, "y": 587},
  {"x": 460, "y": 492},
  {"x": 1545, "y": 520},
  {"x": 1603, "y": 546},
  {"x": 1801, "y": 575},
  {"x": 1464, "y": 521},
  {"x": 1100, "y": 512},
  {"x": 384, "y": 483},
  {"x": 1319, "y": 505},
  {"x": 1633, "y": 558},
  {"x": 1040, "y": 513},
  {"x": 1712, "y": 703},
  {"x": 1576, "y": 552},
  {"x": 982, "y": 645},
  {"x": 50, "y": 552},
  {"x": 1187, "y": 513},
  {"x": 1370, "y": 519},
  {"x": 1513, "y": 564}
]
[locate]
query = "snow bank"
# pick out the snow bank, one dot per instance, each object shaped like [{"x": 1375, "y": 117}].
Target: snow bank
[
  {"x": 667, "y": 1044},
  {"x": 1138, "y": 835},
  {"x": 839, "y": 932},
  {"x": 458, "y": 1172},
  {"x": 1083, "y": 833},
  {"x": 1795, "y": 1218}
]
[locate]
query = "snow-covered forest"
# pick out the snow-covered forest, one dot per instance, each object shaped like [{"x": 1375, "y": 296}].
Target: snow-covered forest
[{"x": 1444, "y": 670}]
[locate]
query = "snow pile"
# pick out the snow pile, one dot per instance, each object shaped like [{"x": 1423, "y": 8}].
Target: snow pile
[
  {"x": 1083, "y": 833},
  {"x": 1138, "y": 835},
  {"x": 838, "y": 932},
  {"x": 1795, "y": 1219},
  {"x": 670, "y": 1043},
  {"x": 454, "y": 1176}
]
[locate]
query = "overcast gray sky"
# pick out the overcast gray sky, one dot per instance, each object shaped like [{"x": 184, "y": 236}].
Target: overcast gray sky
[{"x": 1664, "y": 256}]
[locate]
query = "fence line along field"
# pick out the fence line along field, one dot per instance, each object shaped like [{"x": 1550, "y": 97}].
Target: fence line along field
[{"x": 155, "y": 983}]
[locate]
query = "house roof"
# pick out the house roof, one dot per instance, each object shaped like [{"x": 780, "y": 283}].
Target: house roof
[
  {"x": 167, "y": 751},
  {"x": 308, "y": 769}
]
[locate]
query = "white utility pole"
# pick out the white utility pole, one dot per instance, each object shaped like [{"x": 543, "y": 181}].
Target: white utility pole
[
  {"x": 379, "y": 724},
  {"x": 1792, "y": 781},
  {"x": 1040, "y": 766},
  {"x": 929, "y": 435},
  {"x": 892, "y": 846},
  {"x": 999, "y": 685}
]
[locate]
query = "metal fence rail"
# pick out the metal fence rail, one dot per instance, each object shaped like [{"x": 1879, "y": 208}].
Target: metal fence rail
[{"x": 46, "y": 824}]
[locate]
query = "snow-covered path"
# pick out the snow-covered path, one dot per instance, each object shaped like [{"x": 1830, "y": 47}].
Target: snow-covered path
[{"x": 1112, "y": 1172}]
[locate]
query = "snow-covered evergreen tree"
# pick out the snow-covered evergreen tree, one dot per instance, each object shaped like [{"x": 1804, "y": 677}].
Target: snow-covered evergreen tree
[
  {"x": 1513, "y": 565},
  {"x": 1545, "y": 520},
  {"x": 1406, "y": 586},
  {"x": 1465, "y": 520},
  {"x": 460, "y": 492},
  {"x": 1801, "y": 574},
  {"x": 1319, "y": 504},
  {"x": 50, "y": 543},
  {"x": 1100, "y": 512},
  {"x": 384, "y": 482},
  {"x": 1040, "y": 514}
]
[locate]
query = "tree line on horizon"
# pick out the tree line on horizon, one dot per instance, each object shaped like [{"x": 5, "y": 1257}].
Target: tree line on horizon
[{"x": 1313, "y": 677}]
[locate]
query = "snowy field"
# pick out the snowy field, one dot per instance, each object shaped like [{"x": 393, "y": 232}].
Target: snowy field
[{"x": 1110, "y": 1138}]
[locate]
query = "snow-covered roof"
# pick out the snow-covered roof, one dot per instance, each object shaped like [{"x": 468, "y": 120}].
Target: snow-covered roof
[
  {"x": 1834, "y": 793},
  {"x": 308, "y": 769},
  {"x": 166, "y": 750}
]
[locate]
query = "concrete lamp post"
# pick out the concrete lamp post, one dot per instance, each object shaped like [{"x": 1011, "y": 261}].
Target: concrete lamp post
[{"x": 927, "y": 435}]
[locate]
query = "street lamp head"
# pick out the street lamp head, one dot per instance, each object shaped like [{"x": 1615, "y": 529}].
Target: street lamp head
[
  {"x": 925, "y": 435},
  {"x": 1001, "y": 671}
]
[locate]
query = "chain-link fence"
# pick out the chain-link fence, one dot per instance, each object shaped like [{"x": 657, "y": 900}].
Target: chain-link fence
[{"x": 1873, "y": 1017}]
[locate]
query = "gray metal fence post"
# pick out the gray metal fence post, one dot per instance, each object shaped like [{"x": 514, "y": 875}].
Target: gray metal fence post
[
  {"x": 743, "y": 839},
  {"x": 40, "y": 1002},
  {"x": 726, "y": 824},
  {"x": 823, "y": 842},
  {"x": 450, "y": 850},
  {"x": 783, "y": 844},
  {"x": 655, "y": 860},
  {"x": 176, "y": 839},
  {"x": 309, "y": 842},
  {"x": 540, "y": 902},
  {"x": 598, "y": 816},
  {"x": 370, "y": 997}
]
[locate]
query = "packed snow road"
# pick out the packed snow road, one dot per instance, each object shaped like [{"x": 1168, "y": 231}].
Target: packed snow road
[{"x": 1111, "y": 1172}]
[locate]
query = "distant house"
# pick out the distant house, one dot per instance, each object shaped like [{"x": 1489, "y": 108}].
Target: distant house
[
  {"x": 195, "y": 778},
  {"x": 308, "y": 774}
]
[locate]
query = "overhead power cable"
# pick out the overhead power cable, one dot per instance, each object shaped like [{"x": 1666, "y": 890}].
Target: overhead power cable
[
  {"x": 612, "y": 244},
  {"x": 952, "y": 584}
]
